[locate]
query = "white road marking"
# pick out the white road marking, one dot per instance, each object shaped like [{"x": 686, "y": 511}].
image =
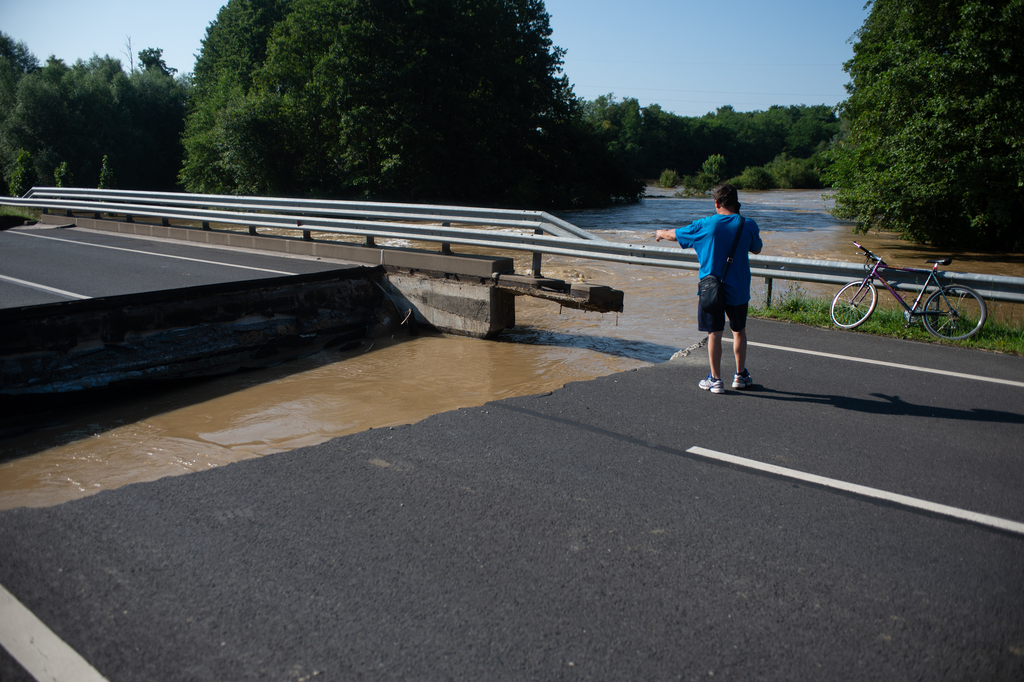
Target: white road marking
[
  {"x": 883, "y": 363},
  {"x": 43, "y": 287},
  {"x": 864, "y": 491},
  {"x": 159, "y": 255},
  {"x": 39, "y": 651}
]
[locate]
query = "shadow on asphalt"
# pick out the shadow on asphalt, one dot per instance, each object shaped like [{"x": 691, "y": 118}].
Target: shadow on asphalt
[
  {"x": 887, "y": 405},
  {"x": 644, "y": 351}
]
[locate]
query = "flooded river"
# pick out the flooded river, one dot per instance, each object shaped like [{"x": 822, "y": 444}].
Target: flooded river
[{"x": 406, "y": 379}]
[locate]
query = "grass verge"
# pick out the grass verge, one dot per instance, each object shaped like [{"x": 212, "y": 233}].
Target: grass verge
[
  {"x": 796, "y": 306},
  {"x": 12, "y": 216}
]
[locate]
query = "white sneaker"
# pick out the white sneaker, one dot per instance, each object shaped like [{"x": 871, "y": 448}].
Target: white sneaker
[
  {"x": 742, "y": 380},
  {"x": 712, "y": 384}
]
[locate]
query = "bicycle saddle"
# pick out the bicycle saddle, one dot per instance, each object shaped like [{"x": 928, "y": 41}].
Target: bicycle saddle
[{"x": 944, "y": 261}]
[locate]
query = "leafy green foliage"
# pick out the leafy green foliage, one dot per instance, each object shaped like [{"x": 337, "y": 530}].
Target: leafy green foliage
[
  {"x": 714, "y": 168},
  {"x": 669, "y": 179},
  {"x": 107, "y": 175},
  {"x": 754, "y": 177},
  {"x": 648, "y": 139},
  {"x": 935, "y": 149},
  {"x": 16, "y": 57},
  {"x": 23, "y": 176},
  {"x": 435, "y": 100},
  {"x": 74, "y": 115},
  {"x": 712, "y": 172},
  {"x": 783, "y": 172},
  {"x": 790, "y": 173},
  {"x": 62, "y": 175},
  {"x": 152, "y": 58}
]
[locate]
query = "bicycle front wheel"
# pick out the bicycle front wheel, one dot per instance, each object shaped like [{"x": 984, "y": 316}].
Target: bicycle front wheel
[
  {"x": 854, "y": 304},
  {"x": 955, "y": 312}
]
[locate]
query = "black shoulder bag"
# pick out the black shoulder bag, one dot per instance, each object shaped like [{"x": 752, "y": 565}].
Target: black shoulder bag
[{"x": 712, "y": 293}]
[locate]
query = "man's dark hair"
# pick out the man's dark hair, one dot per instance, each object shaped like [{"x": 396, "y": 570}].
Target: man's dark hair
[{"x": 726, "y": 195}]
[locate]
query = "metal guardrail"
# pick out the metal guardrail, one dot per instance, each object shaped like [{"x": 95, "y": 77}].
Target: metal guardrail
[
  {"x": 432, "y": 223},
  {"x": 328, "y": 209}
]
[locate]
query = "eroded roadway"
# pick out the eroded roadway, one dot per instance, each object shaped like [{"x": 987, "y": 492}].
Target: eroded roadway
[{"x": 576, "y": 535}]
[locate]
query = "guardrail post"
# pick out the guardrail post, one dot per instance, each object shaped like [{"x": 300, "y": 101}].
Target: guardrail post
[
  {"x": 252, "y": 229},
  {"x": 768, "y": 296},
  {"x": 129, "y": 218},
  {"x": 163, "y": 221},
  {"x": 446, "y": 247},
  {"x": 206, "y": 226},
  {"x": 535, "y": 269}
]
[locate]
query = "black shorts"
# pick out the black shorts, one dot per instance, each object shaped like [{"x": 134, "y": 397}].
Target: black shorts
[{"x": 706, "y": 322}]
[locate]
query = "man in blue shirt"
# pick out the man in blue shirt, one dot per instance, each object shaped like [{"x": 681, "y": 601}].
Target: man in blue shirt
[{"x": 711, "y": 238}]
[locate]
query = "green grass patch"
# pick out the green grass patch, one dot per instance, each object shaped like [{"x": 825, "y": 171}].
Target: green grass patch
[
  {"x": 11, "y": 216},
  {"x": 795, "y": 305}
]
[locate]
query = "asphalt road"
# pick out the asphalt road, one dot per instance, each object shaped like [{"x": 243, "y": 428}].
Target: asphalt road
[
  {"x": 577, "y": 535},
  {"x": 42, "y": 264}
]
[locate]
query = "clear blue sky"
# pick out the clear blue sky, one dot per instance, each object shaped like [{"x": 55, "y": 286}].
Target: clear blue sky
[{"x": 689, "y": 56}]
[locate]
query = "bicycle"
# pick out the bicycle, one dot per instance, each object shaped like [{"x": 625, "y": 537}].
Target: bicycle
[{"x": 953, "y": 312}]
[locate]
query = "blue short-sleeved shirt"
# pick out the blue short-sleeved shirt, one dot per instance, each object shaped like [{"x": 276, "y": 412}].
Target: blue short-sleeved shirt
[{"x": 711, "y": 238}]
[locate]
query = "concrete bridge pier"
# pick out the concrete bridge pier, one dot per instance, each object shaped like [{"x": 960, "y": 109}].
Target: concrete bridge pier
[{"x": 452, "y": 306}]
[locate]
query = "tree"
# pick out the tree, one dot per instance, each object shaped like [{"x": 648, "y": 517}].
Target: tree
[
  {"x": 649, "y": 140},
  {"x": 432, "y": 100},
  {"x": 151, "y": 58},
  {"x": 16, "y": 56},
  {"x": 106, "y": 175},
  {"x": 935, "y": 149},
  {"x": 62, "y": 175},
  {"x": 23, "y": 176},
  {"x": 16, "y": 62},
  {"x": 714, "y": 168},
  {"x": 77, "y": 114}
]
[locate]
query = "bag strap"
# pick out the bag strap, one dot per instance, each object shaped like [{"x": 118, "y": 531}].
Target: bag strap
[{"x": 735, "y": 243}]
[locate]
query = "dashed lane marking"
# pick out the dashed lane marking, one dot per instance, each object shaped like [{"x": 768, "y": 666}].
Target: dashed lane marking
[
  {"x": 863, "y": 491},
  {"x": 39, "y": 651}
]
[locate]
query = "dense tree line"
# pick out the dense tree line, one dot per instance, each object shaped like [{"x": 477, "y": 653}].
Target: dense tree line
[
  {"x": 650, "y": 140},
  {"x": 60, "y": 122},
  {"x": 936, "y": 140},
  {"x": 437, "y": 100}
]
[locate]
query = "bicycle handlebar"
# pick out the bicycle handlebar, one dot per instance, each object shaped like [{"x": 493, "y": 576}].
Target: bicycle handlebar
[{"x": 870, "y": 255}]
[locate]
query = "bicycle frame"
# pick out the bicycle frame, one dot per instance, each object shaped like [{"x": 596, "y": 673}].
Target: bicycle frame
[{"x": 881, "y": 265}]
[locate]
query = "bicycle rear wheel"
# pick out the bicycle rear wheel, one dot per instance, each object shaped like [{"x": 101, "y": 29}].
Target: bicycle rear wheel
[
  {"x": 854, "y": 304},
  {"x": 955, "y": 312}
]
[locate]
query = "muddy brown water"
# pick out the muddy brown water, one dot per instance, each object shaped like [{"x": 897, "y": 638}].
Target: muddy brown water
[{"x": 403, "y": 380}]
